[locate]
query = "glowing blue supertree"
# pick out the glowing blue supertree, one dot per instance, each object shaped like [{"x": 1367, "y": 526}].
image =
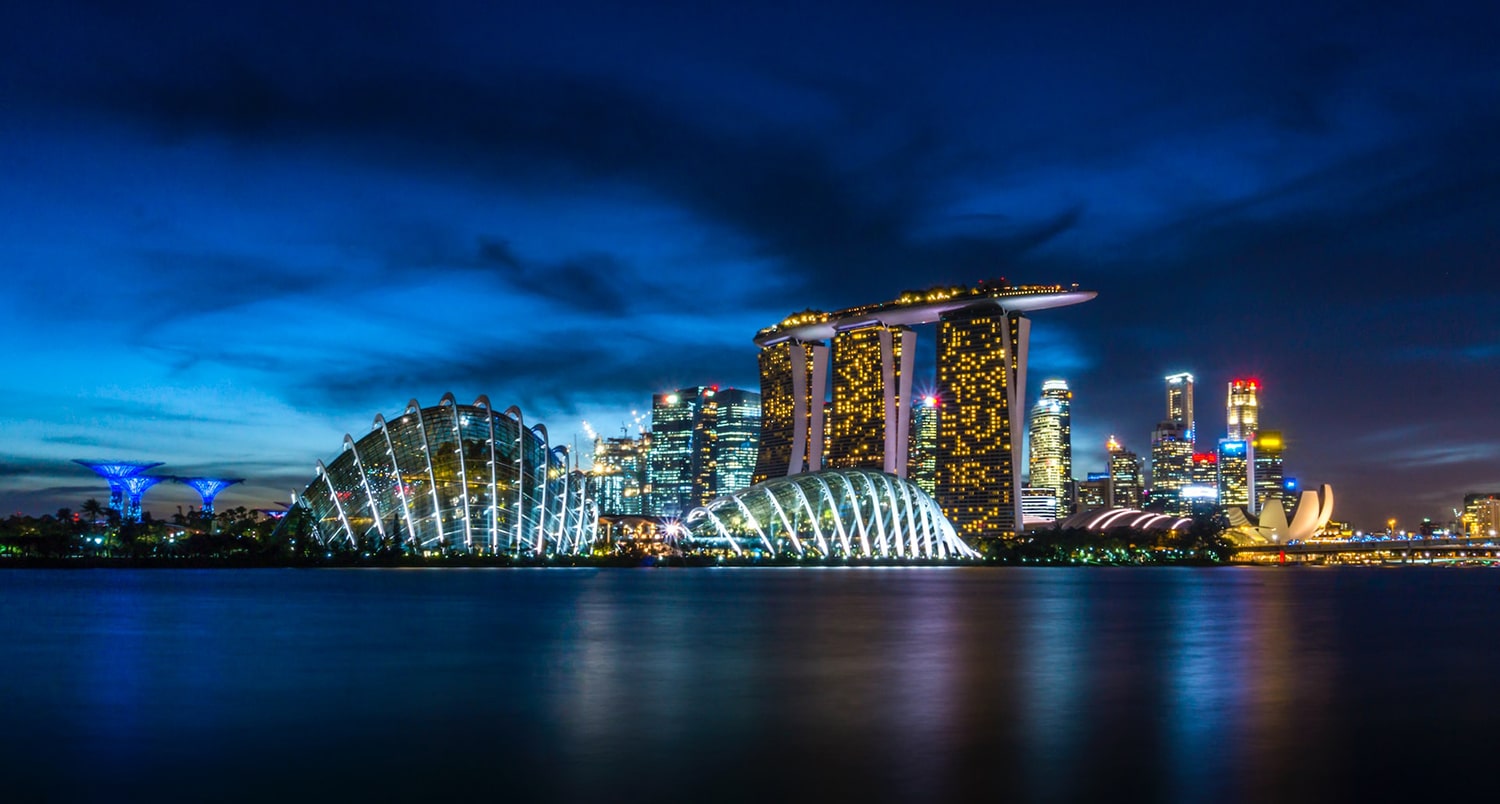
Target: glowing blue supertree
[
  {"x": 208, "y": 488},
  {"x": 135, "y": 486},
  {"x": 115, "y": 471}
]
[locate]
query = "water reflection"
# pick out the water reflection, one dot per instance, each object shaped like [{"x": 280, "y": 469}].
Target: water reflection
[{"x": 740, "y": 685}]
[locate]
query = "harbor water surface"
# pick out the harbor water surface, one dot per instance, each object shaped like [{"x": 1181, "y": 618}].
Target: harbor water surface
[{"x": 897, "y": 684}]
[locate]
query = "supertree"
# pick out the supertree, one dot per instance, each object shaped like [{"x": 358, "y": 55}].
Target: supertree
[
  {"x": 113, "y": 473},
  {"x": 208, "y": 488},
  {"x": 135, "y": 486}
]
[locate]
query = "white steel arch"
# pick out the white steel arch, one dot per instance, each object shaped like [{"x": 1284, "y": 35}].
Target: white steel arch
[{"x": 903, "y": 520}]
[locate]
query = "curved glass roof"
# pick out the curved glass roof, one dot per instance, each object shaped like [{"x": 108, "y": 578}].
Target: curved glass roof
[
  {"x": 452, "y": 478},
  {"x": 853, "y": 513}
]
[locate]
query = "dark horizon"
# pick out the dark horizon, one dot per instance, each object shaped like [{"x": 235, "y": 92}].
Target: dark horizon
[{"x": 236, "y": 233}]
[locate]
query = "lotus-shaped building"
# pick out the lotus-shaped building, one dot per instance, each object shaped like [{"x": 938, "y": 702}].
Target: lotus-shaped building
[
  {"x": 848, "y": 513},
  {"x": 1314, "y": 509},
  {"x": 451, "y": 478}
]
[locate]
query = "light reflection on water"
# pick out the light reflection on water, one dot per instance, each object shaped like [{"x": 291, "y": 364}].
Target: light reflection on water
[{"x": 890, "y": 685}]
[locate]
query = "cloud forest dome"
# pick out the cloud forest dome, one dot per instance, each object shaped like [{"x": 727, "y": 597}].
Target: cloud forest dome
[
  {"x": 848, "y": 513},
  {"x": 451, "y": 478}
]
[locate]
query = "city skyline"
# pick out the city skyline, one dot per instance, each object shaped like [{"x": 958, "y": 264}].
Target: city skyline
[{"x": 222, "y": 223}]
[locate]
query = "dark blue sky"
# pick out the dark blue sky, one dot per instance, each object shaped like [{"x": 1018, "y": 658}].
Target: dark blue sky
[{"x": 231, "y": 234}]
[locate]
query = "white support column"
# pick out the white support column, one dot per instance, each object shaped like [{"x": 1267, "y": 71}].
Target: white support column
[
  {"x": 515, "y": 412},
  {"x": 463, "y": 471},
  {"x": 364, "y": 479},
  {"x": 333, "y": 495},
  {"x": 437, "y": 506},
  {"x": 904, "y": 402},
  {"x": 800, "y": 412},
  {"x": 889, "y": 400},
  {"x": 1015, "y": 391},
  {"x": 483, "y": 402},
  {"x": 400, "y": 486},
  {"x": 821, "y": 358}
]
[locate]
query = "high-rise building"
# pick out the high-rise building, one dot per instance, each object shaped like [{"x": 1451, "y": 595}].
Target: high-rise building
[
  {"x": 1093, "y": 491},
  {"x": 1244, "y": 409},
  {"x": 1269, "y": 476},
  {"x": 1039, "y": 505},
  {"x": 1180, "y": 403},
  {"x": 921, "y": 459},
  {"x": 872, "y": 368},
  {"x": 1206, "y": 469},
  {"x": 793, "y": 377},
  {"x": 1481, "y": 516},
  {"x": 736, "y": 440},
  {"x": 681, "y": 469},
  {"x": 1050, "y": 462},
  {"x": 1171, "y": 468},
  {"x": 619, "y": 474},
  {"x": 1125, "y": 481},
  {"x": 1236, "y": 470},
  {"x": 982, "y": 343},
  {"x": 981, "y": 376}
]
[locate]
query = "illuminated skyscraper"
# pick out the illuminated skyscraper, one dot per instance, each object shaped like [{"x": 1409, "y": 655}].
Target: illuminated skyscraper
[
  {"x": 1269, "y": 475},
  {"x": 1171, "y": 468},
  {"x": 1481, "y": 516},
  {"x": 619, "y": 475},
  {"x": 681, "y": 467},
  {"x": 1180, "y": 404},
  {"x": 981, "y": 378},
  {"x": 1045, "y": 456},
  {"x": 1125, "y": 481},
  {"x": 1093, "y": 491},
  {"x": 736, "y": 440},
  {"x": 1244, "y": 409},
  {"x": 872, "y": 368},
  {"x": 1050, "y": 462},
  {"x": 793, "y": 385},
  {"x": 921, "y": 460},
  {"x": 1236, "y": 470}
]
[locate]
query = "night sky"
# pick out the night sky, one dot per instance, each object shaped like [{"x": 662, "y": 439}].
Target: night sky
[{"x": 232, "y": 234}]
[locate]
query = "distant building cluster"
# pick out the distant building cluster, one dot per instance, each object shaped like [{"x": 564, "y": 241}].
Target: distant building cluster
[{"x": 1243, "y": 469}]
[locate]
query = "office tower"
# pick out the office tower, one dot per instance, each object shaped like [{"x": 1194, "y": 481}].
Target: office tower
[
  {"x": 793, "y": 377},
  {"x": 736, "y": 440},
  {"x": 1236, "y": 470},
  {"x": 1180, "y": 404},
  {"x": 1171, "y": 467},
  {"x": 1039, "y": 505},
  {"x": 1125, "y": 487},
  {"x": 1206, "y": 470},
  {"x": 681, "y": 469},
  {"x": 1093, "y": 491},
  {"x": 921, "y": 461},
  {"x": 872, "y": 368},
  {"x": 981, "y": 366},
  {"x": 1481, "y": 516},
  {"x": 1269, "y": 475},
  {"x": 1244, "y": 409},
  {"x": 619, "y": 474},
  {"x": 1051, "y": 441}
]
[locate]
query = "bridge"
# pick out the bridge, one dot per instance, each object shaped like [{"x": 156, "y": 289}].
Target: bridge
[{"x": 1437, "y": 549}]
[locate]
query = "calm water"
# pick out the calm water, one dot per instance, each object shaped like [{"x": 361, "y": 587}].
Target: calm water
[{"x": 748, "y": 685}]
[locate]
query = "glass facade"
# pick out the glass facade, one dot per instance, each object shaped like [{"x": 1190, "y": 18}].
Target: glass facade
[
  {"x": 455, "y": 479},
  {"x": 1171, "y": 468},
  {"x": 1180, "y": 404},
  {"x": 851, "y": 513},
  {"x": 1125, "y": 477},
  {"x": 921, "y": 459},
  {"x": 1244, "y": 409},
  {"x": 1236, "y": 473},
  {"x": 1050, "y": 434},
  {"x": 1270, "y": 476},
  {"x": 682, "y": 450},
  {"x": 981, "y": 366},
  {"x": 868, "y": 405},
  {"x": 791, "y": 420},
  {"x": 619, "y": 475},
  {"x": 736, "y": 440}
]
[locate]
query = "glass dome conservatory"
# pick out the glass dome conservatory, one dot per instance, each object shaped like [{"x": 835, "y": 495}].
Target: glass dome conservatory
[
  {"x": 451, "y": 478},
  {"x": 849, "y": 513}
]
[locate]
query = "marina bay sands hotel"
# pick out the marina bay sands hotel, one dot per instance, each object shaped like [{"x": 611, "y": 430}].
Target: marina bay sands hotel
[{"x": 982, "y": 340}]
